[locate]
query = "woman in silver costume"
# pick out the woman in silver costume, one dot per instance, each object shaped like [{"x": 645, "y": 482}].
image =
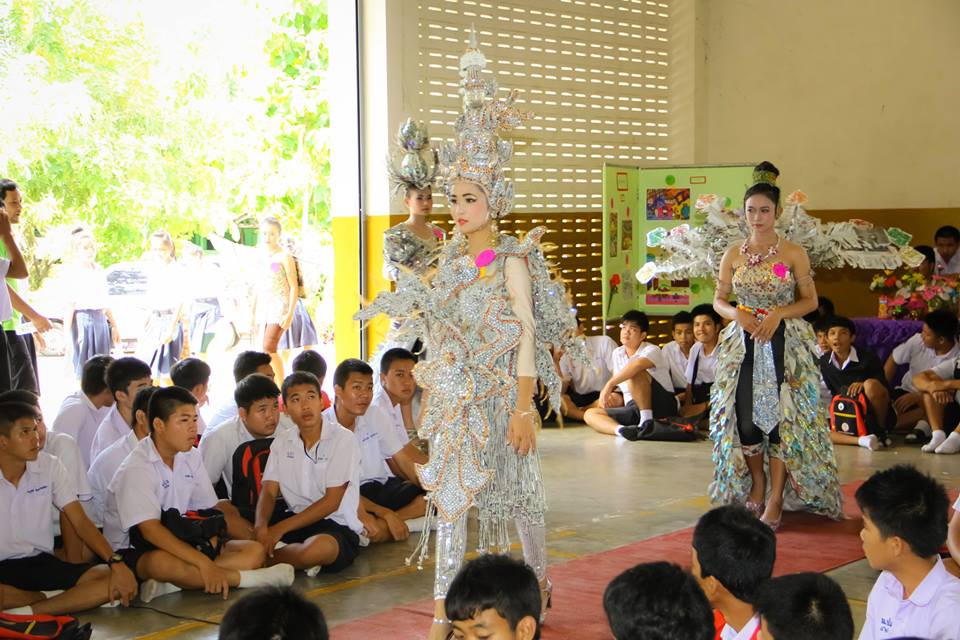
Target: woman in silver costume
[{"x": 487, "y": 318}]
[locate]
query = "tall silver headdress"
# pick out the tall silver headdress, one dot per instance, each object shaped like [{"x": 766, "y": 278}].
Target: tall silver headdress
[
  {"x": 415, "y": 165},
  {"x": 478, "y": 154}
]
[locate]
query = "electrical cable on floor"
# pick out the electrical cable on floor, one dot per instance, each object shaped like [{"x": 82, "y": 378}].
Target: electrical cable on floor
[{"x": 174, "y": 615}]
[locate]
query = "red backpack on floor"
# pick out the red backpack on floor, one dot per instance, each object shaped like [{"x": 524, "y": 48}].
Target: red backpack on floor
[
  {"x": 39, "y": 627},
  {"x": 849, "y": 415}
]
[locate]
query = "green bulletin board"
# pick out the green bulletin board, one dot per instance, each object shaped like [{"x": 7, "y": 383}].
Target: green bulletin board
[{"x": 637, "y": 201}]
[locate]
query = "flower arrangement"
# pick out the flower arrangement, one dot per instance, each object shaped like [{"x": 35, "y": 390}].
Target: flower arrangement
[{"x": 913, "y": 295}]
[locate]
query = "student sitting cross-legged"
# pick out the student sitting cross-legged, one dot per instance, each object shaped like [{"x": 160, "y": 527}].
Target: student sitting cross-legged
[
  {"x": 494, "y": 596},
  {"x": 644, "y": 378},
  {"x": 733, "y": 554},
  {"x": 395, "y": 399},
  {"x": 904, "y": 526},
  {"x": 803, "y": 606},
  {"x": 32, "y": 579},
  {"x": 159, "y": 483},
  {"x": 582, "y": 382},
  {"x": 850, "y": 372},
  {"x": 940, "y": 387},
  {"x": 388, "y": 497},
  {"x": 316, "y": 468}
]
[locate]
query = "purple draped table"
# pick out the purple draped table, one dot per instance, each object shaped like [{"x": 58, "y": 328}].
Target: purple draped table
[{"x": 881, "y": 336}]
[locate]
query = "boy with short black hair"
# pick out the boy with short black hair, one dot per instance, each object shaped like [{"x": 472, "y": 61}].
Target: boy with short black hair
[
  {"x": 821, "y": 327},
  {"x": 317, "y": 471},
  {"x": 494, "y": 596},
  {"x": 733, "y": 554},
  {"x": 31, "y": 577},
  {"x": 936, "y": 343},
  {"x": 163, "y": 478},
  {"x": 124, "y": 376},
  {"x": 676, "y": 353},
  {"x": 804, "y": 606},
  {"x": 395, "y": 398},
  {"x": 82, "y": 411},
  {"x": 246, "y": 363},
  {"x": 929, "y": 265},
  {"x": 274, "y": 612},
  {"x": 389, "y": 494},
  {"x": 643, "y": 377},
  {"x": 193, "y": 374},
  {"x": 849, "y": 372},
  {"x": 702, "y": 363},
  {"x": 947, "y": 240},
  {"x": 312, "y": 362},
  {"x": 657, "y": 601},
  {"x": 904, "y": 526}
]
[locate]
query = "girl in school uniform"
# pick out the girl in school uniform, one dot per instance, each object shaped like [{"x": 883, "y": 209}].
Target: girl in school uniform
[
  {"x": 162, "y": 343},
  {"x": 88, "y": 320},
  {"x": 302, "y": 333},
  {"x": 204, "y": 302}
]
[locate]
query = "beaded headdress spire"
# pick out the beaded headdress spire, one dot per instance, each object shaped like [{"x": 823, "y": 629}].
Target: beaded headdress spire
[
  {"x": 415, "y": 164},
  {"x": 477, "y": 153}
]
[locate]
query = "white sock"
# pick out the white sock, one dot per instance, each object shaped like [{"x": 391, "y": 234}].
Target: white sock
[
  {"x": 151, "y": 589},
  {"x": 279, "y": 575},
  {"x": 951, "y": 444},
  {"x": 52, "y": 594},
  {"x": 645, "y": 414},
  {"x": 20, "y": 611},
  {"x": 923, "y": 425},
  {"x": 869, "y": 442},
  {"x": 936, "y": 439},
  {"x": 313, "y": 571}
]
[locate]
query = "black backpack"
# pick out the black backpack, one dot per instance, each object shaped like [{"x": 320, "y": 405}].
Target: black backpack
[{"x": 249, "y": 462}]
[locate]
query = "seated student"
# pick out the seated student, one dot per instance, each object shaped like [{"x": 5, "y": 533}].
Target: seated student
[
  {"x": 642, "y": 375},
  {"x": 702, "y": 363},
  {"x": 904, "y": 526},
  {"x": 276, "y": 613},
  {"x": 389, "y": 495},
  {"x": 928, "y": 267},
  {"x": 847, "y": 371},
  {"x": 947, "y": 240},
  {"x": 82, "y": 411},
  {"x": 106, "y": 464},
  {"x": 582, "y": 383},
  {"x": 494, "y": 596},
  {"x": 805, "y": 605},
  {"x": 165, "y": 473},
  {"x": 312, "y": 362},
  {"x": 32, "y": 579},
  {"x": 677, "y": 352},
  {"x": 316, "y": 469},
  {"x": 395, "y": 399},
  {"x": 936, "y": 343},
  {"x": 733, "y": 554},
  {"x": 246, "y": 362},
  {"x": 193, "y": 374},
  {"x": 125, "y": 376},
  {"x": 821, "y": 328},
  {"x": 940, "y": 387},
  {"x": 657, "y": 601},
  {"x": 257, "y": 398}
]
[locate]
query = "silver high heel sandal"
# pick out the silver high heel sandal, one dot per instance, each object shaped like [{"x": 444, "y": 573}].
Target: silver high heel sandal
[{"x": 547, "y": 595}]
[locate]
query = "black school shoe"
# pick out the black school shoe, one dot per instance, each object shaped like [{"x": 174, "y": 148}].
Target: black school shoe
[
  {"x": 632, "y": 432},
  {"x": 917, "y": 436}
]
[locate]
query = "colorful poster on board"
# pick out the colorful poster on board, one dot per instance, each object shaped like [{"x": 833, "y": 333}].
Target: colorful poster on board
[{"x": 620, "y": 239}]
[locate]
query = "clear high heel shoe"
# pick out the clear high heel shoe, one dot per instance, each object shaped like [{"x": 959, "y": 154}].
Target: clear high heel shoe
[
  {"x": 756, "y": 508},
  {"x": 547, "y": 603}
]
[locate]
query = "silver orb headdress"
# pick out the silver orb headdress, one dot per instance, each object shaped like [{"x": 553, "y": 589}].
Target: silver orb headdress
[
  {"x": 477, "y": 154},
  {"x": 415, "y": 165}
]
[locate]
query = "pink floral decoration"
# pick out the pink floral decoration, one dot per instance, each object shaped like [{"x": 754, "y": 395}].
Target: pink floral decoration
[
  {"x": 780, "y": 270},
  {"x": 486, "y": 257},
  {"x": 438, "y": 234}
]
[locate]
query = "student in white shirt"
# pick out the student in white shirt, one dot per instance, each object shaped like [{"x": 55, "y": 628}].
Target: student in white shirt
[
  {"x": 193, "y": 374},
  {"x": 106, "y": 464},
  {"x": 13, "y": 267},
  {"x": 246, "y": 363},
  {"x": 733, "y": 555},
  {"x": 677, "y": 352},
  {"x": 702, "y": 364},
  {"x": 395, "y": 397},
  {"x": 904, "y": 526},
  {"x": 940, "y": 387},
  {"x": 31, "y": 577},
  {"x": 803, "y": 605},
  {"x": 644, "y": 379},
  {"x": 582, "y": 383},
  {"x": 165, "y": 472},
  {"x": 947, "y": 241},
  {"x": 317, "y": 471},
  {"x": 936, "y": 343},
  {"x": 82, "y": 411},
  {"x": 125, "y": 376},
  {"x": 389, "y": 493},
  {"x": 312, "y": 362},
  {"x": 257, "y": 399}
]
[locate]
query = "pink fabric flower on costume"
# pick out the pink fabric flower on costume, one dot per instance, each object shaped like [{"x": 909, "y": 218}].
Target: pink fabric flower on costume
[
  {"x": 438, "y": 234},
  {"x": 484, "y": 259},
  {"x": 780, "y": 270}
]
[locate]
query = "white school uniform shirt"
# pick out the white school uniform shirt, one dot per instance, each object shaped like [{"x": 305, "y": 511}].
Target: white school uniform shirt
[
  {"x": 304, "y": 476},
  {"x": 102, "y": 470},
  {"x": 383, "y": 403},
  {"x": 225, "y": 412},
  {"x": 591, "y": 377},
  {"x": 26, "y": 528},
  {"x": 945, "y": 371},
  {"x": 112, "y": 428},
  {"x": 66, "y": 450},
  {"x": 920, "y": 358},
  {"x": 79, "y": 418},
  {"x": 729, "y": 633},
  {"x": 378, "y": 441},
  {"x": 942, "y": 267},
  {"x": 707, "y": 367},
  {"x": 144, "y": 486},
  {"x": 932, "y": 611},
  {"x": 677, "y": 363},
  {"x": 659, "y": 372}
]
